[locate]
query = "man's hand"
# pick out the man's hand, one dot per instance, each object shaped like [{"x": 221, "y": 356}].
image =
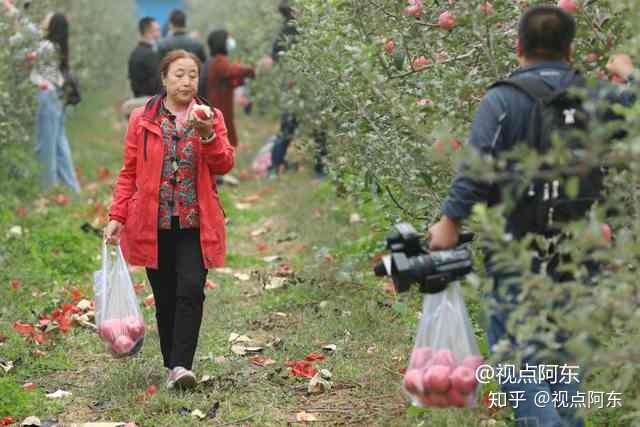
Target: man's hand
[
  {"x": 621, "y": 65},
  {"x": 443, "y": 234}
]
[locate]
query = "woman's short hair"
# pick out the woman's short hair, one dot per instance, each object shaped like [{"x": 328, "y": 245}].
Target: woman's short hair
[{"x": 174, "y": 56}]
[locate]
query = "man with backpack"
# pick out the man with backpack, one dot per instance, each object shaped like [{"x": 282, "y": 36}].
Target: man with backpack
[
  {"x": 180, "y": 39},
  {"x": 513, "y": 112}
]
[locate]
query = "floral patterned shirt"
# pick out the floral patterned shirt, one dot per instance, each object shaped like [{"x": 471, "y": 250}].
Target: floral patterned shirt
[{"x": 178, "y": 191}]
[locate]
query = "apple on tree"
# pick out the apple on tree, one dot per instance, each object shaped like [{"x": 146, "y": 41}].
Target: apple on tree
[
  {"x": 447, "y": 21},
  {"x": 568, "y": 6}
]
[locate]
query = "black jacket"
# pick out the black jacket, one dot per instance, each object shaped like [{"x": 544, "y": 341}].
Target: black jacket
[
  {"x": 144, "y": 70},
  {"x": 182, "y": 40},
  {"x": 287, "y": 35}
]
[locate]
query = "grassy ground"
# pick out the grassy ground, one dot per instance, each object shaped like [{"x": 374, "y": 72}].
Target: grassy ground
[{"x": 331, "y": 297}]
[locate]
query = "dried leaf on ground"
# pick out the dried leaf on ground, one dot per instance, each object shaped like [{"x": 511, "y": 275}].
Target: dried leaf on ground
[
  {"x": 238, "y": 349},
  {"x": 305, "y": 417},
  {"x": 329, "y": 347},
  {"x": 272, "y": 258},
  {"x": 261, "y": 361},
  {"x": 258, "y": 232},
  {"x": 275, "y": 283},
  {"x": 237, "y": 338},
  {"x": 243, "y": 277},
  {"x": 252, "y": 198},
  {"x": 31, "y": 422},
  {"x": 318, "y": 385},
  {"x": 243, "y": 206},
  {"x": 198, "y": 414},
  {"x": 59, "y": 394},
  {"x": 84, "y": 304}
]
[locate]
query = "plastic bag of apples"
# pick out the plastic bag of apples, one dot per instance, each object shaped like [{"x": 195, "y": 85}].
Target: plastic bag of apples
[
  {"x": 443, "y": 363},
  {"x": 118, "y": 317}
]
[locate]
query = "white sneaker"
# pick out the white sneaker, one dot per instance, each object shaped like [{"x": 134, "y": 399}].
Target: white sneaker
[{"x": 181, "y": 378}]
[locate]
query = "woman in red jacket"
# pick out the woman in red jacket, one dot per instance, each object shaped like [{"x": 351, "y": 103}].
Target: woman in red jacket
[
  {"x": 222, "y": 76},
  {"x": 165, "y": 211}
]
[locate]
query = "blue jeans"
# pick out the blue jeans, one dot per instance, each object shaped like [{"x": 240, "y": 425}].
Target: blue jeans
[
  {"x": 528, "y": 413},
  {"x": 52, "y": 145}
]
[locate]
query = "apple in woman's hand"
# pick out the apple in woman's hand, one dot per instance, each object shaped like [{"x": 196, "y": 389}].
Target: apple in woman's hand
[{"x": 202, "y": 112}]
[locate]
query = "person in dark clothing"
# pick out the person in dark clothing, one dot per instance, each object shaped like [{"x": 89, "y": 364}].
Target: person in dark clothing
[
  {"x": 288, "y": 122},
  {"x": 144, "y": 62},
  {"x": 180, "y": 38},
  {"x": 544, "y": 49}
]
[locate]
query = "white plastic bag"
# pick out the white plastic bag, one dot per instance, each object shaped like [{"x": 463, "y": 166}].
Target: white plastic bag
[
  {"x": 445, "y": 356},
  {"x": 120, "y": 323}
]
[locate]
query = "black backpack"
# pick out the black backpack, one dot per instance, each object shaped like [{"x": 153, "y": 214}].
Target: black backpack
[
  {"x": 542, "y": 205},
  {"x": 71, "y": 89}
]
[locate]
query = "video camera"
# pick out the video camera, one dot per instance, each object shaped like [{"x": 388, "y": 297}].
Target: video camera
[{"x": 411, "y": 261}]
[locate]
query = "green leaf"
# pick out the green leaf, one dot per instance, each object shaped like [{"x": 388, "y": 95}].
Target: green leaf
[{"x": 572, "y": 187}]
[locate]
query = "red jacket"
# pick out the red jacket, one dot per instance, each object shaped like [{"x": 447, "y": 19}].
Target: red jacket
[
  {"x": 137, "y": 189},
  {"x": 223, "y": 77}
]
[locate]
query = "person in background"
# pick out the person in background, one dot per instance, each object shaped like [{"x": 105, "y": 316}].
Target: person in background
[
  {"x": 49, "y": 57},
  {"x": 288, "y": 122},
  {"x": 166, "y": 213},
  {"x": 180, "y": 38},
  {"x": 144, "y": 65},
  {"x": 221, "y": 77}
]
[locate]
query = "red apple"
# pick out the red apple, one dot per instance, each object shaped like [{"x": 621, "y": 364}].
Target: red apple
[
  {"x": 424, "y": 102},
  {"x": 436, "y": 378},
  {"x": 447, "y": 20},
  {"x": 389, "y": 46},
  {"x": 445, "y": 357},
  {"x": 413, "y": 381},
  {"x": 202, "y": 113},
  {"x": 437, "y": 400},
  {"x": 420, "y": 62},
  {"x": 568, "y": 6},
  {"x": 135, "y": 327},
  {"x": 414, "y": 8},
  {"x": 419, "y": 357},
  {"x": 61, "y": 199},
  {"x": 473, "y": 362},
  {"x": 31, "y": 55},
  {"x": 463, "y": 379},
  {"x": 455, "y": 398},
  {"x": 123, "y": 344},
  {"x": 111, "y": 329},
  {"x": 607, "y": 234},
  {"x": 486, "y": 8},
  {"x": 615, "y": 78}
]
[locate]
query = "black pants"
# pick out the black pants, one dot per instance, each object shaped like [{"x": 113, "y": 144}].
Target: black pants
[
  {"x": 178, "y": 289},
  {"x": 288, "y": 126}
]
